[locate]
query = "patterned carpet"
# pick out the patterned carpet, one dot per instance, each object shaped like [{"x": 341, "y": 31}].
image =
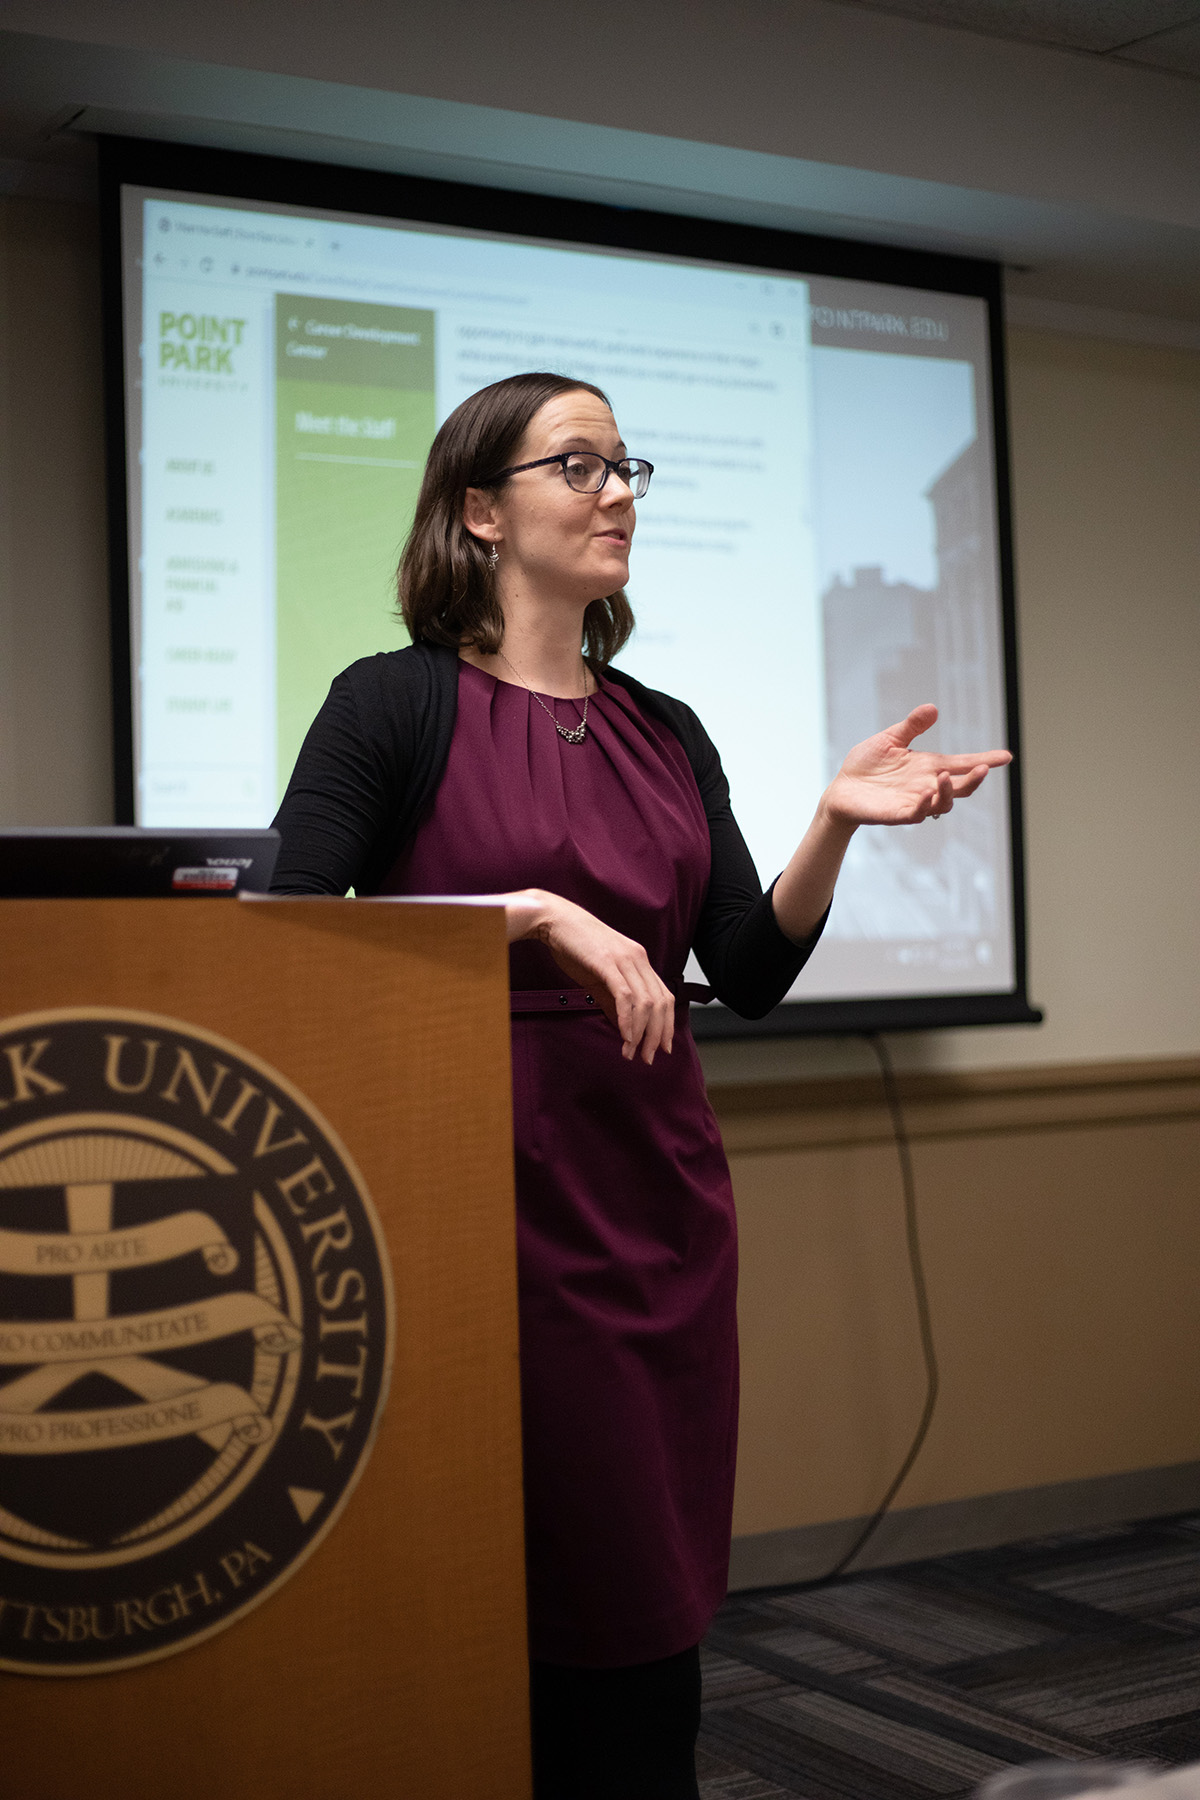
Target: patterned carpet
[{"x": 909, "y": 1683}]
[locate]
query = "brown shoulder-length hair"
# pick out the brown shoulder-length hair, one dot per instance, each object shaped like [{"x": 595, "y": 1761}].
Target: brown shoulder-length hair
[{"x": 446, "y": 588}]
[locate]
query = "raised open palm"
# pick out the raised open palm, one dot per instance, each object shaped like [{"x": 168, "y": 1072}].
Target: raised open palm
[{"x": 885, "y": 782}]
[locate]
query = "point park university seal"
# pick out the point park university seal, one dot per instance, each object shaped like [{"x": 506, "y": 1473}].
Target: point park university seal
[{"x": 195, "y": 1336}]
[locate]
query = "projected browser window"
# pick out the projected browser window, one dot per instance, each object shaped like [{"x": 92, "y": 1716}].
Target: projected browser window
[{"x": 816, "y": 553}]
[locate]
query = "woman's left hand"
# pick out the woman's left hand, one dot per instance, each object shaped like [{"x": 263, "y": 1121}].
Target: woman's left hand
[{"x": 884, "y": 782}]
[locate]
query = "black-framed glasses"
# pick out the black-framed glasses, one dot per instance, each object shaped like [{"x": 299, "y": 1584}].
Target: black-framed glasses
[{"x": 587, "y": 471}]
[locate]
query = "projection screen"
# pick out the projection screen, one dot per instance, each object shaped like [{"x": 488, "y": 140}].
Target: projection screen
[{"x": 824, "y": 543}]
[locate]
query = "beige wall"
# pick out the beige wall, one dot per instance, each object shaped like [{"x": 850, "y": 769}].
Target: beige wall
[
  {"x": 1106, "y": 474},
  {"x": 1106, "y": 455},
  {"x": 1106, "y": 468},
  {"x": 1061, "y": 1240},
  {"x": 1063, "y": 1256},
  {"x": 55, "y": 732}
]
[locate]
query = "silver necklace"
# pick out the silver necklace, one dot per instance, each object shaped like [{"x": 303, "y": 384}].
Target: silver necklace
[{"x": 580, "y": 732}]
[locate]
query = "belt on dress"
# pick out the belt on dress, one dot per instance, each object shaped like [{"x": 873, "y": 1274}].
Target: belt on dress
[{"x": 577, "y": 999}]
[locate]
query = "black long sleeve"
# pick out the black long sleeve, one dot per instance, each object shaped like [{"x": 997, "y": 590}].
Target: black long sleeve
[
  {"x": 371, "y": 764},
  {"x": 368, "y": 768},
  {"x": 335, "y": 808}
]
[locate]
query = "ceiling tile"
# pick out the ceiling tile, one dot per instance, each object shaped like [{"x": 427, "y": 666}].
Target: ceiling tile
[
  {"x": 1097, "y": 25},
  {"x": 1178, "y": 50}
]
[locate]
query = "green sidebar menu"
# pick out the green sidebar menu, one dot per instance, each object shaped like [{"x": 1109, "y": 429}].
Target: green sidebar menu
[{"x": 354, "y": 419}]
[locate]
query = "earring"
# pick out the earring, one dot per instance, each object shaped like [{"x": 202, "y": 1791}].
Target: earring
[{"x": 493, "y": 558}]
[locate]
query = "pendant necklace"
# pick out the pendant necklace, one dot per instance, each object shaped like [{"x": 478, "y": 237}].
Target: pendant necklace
[{"x": 580, "y": 731}]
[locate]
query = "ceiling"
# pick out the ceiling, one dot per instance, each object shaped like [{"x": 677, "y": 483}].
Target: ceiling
[
  {"x": 1163, "y": 34},
  {"x": 1016, "y": 130}
]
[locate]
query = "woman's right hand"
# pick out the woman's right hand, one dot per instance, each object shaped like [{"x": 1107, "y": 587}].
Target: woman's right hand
[{"x": 613, "y": 968}]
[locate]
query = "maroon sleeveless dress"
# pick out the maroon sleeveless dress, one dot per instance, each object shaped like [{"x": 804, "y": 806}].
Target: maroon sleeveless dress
[{"x": 625, "y": 1225}]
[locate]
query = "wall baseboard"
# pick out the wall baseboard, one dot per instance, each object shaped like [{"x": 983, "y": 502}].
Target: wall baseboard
[{"x": 807, "y": 1552}]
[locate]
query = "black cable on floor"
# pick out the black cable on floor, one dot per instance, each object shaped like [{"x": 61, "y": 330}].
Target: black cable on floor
[{"x": 891, "y": 1094}]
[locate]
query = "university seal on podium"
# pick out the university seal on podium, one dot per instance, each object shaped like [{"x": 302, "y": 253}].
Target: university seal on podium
[{"x": 195, "y": 1336}]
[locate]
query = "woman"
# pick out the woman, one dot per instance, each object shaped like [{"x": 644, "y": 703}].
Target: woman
[{"x": 502, "y": 753}]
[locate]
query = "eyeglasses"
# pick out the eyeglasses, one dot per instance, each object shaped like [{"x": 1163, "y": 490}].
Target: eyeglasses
[{"x": 587, "y": 471}]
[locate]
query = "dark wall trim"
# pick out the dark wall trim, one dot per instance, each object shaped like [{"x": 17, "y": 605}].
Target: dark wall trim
[{"x": 773, "y": 1558}]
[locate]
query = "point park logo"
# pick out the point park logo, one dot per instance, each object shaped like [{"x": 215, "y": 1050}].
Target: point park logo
[{"x": 195, "y": 1336}]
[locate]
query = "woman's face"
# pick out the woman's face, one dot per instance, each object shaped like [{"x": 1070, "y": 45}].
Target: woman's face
[{"x": 553, "y": 541}]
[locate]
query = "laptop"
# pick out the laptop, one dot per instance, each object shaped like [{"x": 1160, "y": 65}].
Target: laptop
[{"x": 118, "y": 862}]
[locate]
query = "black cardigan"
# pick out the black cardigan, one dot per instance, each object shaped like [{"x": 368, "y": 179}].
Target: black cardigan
[{"x": 370, "y": 767}]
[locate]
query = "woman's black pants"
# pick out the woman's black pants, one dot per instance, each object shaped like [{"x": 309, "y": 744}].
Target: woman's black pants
[{"x": 616, "y": 1734}]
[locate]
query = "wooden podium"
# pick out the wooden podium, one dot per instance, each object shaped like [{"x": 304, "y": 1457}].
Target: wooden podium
[{"x": 392, "y": 1661}]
